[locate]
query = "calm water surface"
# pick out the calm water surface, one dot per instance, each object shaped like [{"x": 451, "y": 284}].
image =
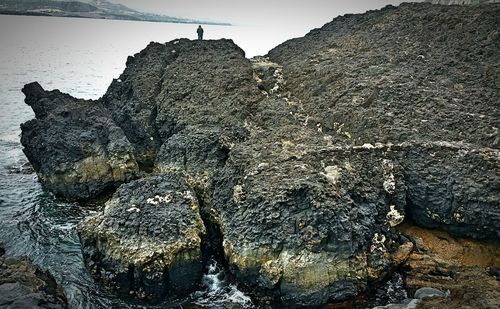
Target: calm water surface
[{"x": 80, "y": 57}]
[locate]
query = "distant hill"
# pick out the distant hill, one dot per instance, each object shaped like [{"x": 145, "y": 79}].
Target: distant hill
[{"x": 100, "y": 9}]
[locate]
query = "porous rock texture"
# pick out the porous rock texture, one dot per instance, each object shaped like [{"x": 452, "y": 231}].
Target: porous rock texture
[
  {"x": 74, "y": 146},
  {"x": 305, "y": 160},
  {"x": 24, "y": 285},
  {"x": 147, "y": 241}
]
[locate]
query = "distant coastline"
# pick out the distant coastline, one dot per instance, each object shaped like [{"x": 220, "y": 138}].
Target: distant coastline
[
  {"x": 115, "y": 18},
  {"x": 93, "y": 9}
]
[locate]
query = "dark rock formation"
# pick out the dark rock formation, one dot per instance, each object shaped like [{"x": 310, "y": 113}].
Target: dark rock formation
[
  {"x": 386, "y": 77},
  {"x": 303, "y": 161},
  {"x": 147, "y": 241},
  {"x": 314, "y": 213},
  {"x": 74, "y": 146},
  {"x": 23, "y": 285},
  {"x": 447, "y": 185}
]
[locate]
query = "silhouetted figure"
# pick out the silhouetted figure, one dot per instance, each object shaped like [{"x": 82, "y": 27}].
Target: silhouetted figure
[{"x": 200, "y": 33}]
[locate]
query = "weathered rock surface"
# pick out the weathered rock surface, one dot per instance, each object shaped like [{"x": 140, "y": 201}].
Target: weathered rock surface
[
  {"x": 368, "y": 79},
  {"x": 319, "y": 218},
  {"x": 147, "y": 241},
  {"x": 23, "y": 285},
  {"x": 303, "y": 161},
  {"x": 447, "y": 185},
  {"x": 74, "y": 146}
]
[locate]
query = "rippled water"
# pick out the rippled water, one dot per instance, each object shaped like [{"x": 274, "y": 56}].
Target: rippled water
[{"x": 80, "y": 57}]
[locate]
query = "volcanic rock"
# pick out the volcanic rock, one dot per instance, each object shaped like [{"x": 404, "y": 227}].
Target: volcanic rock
[
  {"x": 319, "y": 218},
  {"x": 74, "y": 146},
  {"x": 147, "y": 241},
  {"x": 366, "y": 79},
  {"x": 462, "y": 2},
  {"x": 304, "y": 161}
]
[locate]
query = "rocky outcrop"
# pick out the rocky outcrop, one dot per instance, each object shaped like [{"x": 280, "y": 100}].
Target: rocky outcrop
[
  {"x": 24, "y": 285},
  {"x": 319, "y": 218},
  {"x": 446, "y": 185},
  {"x": 74, "y": 146},
  {"x": 147, "y": 241},
  {"x": 303, "y": 161},
  {"x": 414, "y": 86}
]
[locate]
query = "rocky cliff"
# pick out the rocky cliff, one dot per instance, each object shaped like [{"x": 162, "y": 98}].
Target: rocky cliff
[{"x": 299, "y": 164}]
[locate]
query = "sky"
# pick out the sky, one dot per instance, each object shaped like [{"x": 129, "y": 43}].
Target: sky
[{"x": 265, "y": 13}]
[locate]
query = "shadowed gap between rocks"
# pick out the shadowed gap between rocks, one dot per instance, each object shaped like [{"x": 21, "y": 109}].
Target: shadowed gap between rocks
[{"x": 211, "y": 243}]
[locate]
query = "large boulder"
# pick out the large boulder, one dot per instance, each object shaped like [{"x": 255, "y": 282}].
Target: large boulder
[
  {"x": 320, "y": 218},
  {"x": 147, "y": 241}
]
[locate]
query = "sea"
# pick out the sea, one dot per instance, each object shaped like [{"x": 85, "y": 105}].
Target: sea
[{"x": 81, "y": 57}]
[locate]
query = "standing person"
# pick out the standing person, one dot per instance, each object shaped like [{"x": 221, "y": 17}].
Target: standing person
[{"x": 200, "y": 32}]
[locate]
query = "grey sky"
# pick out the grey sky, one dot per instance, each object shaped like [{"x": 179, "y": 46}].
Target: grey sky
[{"x": 292, "y": 13}]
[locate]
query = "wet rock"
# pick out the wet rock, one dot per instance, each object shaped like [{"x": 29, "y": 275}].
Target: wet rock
[
  {"x": 147, "y": 240},
  {"x": 406, "y": 304},
  {"x": 495, "y": 272},
  {"x": 24, "y": 285}
]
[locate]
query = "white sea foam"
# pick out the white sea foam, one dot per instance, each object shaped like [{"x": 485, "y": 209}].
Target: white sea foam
[{"x": 218, "y": 291}]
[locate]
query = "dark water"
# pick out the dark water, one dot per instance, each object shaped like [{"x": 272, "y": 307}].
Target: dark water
[{"x": 76, "y": 56}]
